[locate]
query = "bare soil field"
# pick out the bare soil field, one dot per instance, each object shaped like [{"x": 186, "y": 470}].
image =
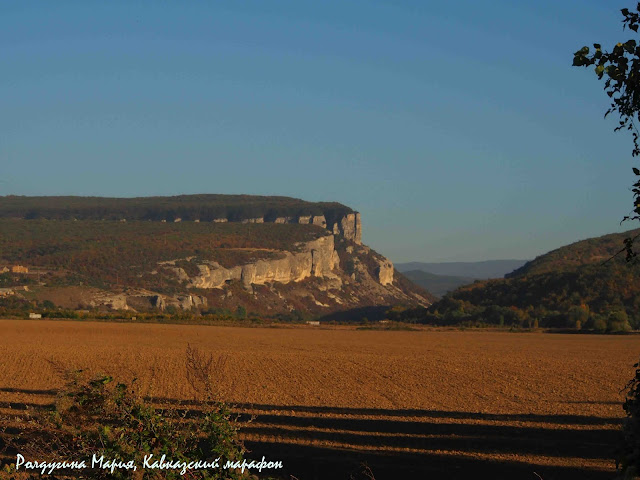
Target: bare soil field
[{"x": 411, "y": 404}]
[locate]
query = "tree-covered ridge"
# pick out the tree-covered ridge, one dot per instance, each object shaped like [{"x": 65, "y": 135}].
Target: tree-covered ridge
[
  {"x": 578, "y": 286},
  {"x": 106, "y": 253},
  {"x": 590, "y": 251},
  {"x": 602, "y": 288},
  {"x": 205, "y": 207}
]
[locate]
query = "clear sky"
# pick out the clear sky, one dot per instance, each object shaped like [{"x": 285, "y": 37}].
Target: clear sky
[{"x": 459, "y": 130}]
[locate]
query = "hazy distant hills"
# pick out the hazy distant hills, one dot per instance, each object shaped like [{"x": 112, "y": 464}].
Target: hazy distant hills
[
  {"x": 437, "y": 284},
  {"x": 476, "y": 270},
  {"x": 440, "y": 278}
]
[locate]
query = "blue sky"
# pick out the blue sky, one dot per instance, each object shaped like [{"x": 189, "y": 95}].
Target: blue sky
[{"x": 459, "y": 130}]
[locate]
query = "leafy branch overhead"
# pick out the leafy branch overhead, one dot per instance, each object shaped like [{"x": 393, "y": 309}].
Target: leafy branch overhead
[{"x": 621, "y": 69}]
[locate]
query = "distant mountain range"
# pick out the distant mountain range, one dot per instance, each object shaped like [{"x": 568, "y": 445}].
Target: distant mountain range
[
  {"x": 479, "y": 270},
  {"x": 440, "y": 278},
  {"x": 437, "y": 284}
]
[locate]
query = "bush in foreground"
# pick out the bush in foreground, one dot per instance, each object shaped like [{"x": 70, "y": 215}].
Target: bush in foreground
[{"x": 99, "y": 417}]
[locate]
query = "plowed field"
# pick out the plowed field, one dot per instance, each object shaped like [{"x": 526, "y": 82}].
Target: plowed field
[{"x": 414, "y": 404}]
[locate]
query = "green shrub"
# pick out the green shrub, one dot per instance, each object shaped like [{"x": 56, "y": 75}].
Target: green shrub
[
  {"x": 618, "y": 322},
  {"x": 99, "y": 417},
  {"x": 241, "y": 312},
  {"x": 599, "y": 324},
  {"x": 578, "y": 316}
]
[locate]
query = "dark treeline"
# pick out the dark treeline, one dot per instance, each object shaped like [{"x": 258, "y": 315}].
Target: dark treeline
[
  {"x": 19, "y": 307},
  {"x": 186, "y": 207}
]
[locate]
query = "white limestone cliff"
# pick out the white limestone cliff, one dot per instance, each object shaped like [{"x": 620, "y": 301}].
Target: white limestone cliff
[{"x": 317, "y": 258}]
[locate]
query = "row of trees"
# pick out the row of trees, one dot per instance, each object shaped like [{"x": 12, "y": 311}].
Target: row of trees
[
  {"x": 186, "y": 207},
  {"x": 453, "y": 312}
]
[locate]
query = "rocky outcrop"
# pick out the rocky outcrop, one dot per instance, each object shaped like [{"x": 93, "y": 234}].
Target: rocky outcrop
[
  {"x": 187, "y": 302},
  {"x": 319, "y": 220},
  {"x": 350, "y": 227},
  {"x": 384, "y": 272},
  {"x": 143, "y": 300},
  {"x": 313, "y": 259},
  {"x": 110, "y": 301},
  {"x": 158, "y": 302},
  {"x": 179, "y": 272}
]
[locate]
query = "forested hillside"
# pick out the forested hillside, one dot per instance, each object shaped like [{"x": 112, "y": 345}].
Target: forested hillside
[
  {"x": 581, "y": 286},
  {"x": 595, "y": 250}
]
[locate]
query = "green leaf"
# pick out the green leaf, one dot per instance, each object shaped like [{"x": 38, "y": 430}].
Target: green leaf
[
  {"x": 630, "y": 46},
  {"x": 636, "y": 171},
  {"x": 599, "y": 70},
  {"x": 612, "y": 71}
]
